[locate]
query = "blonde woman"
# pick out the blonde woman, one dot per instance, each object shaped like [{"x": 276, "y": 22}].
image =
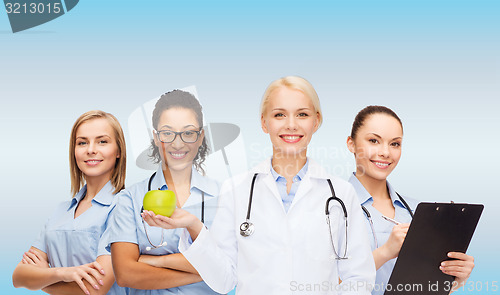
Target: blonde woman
[
  {"x": 269, "y": 235},
  {"x": 69, "y": 257}
]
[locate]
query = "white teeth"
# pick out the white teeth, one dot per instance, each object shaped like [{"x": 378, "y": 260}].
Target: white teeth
[
  {"x": 93, "y": 162},
  {"x": 291, "y": 137},
  {"x": 381, "y": 164},
  {"x": 178, "y": 155}
]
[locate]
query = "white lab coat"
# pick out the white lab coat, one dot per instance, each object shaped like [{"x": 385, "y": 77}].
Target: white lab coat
[{"x": 289, "y": 253}]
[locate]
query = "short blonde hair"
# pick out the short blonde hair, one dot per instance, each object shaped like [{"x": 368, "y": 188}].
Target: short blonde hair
[
  {"x": 296, "y": 83},
  {"x": 118, "y": 176}
]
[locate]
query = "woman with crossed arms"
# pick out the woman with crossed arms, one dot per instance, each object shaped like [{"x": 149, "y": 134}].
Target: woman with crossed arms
[{"x": 70, "y": 257}]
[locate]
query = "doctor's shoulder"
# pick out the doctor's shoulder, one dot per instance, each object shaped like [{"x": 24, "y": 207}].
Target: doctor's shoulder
[
  {"x": 236, "y": 184},
  {"x": 343, "y": 188},
  {"x": 210, "y": 185}
]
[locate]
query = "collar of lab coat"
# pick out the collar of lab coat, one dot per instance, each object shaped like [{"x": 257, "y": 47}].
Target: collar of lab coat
[{"x": 314, "y": 171}]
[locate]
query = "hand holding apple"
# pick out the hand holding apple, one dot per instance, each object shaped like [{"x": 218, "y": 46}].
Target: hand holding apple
[
  {"x": 179, "y": 219},
  {"x": 160, "y": 202}
]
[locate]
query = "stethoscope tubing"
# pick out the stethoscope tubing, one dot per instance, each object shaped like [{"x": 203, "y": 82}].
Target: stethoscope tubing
[
  {"x": 247, "y": 227},
  {"x": 162, "y": 243},
  {"x": 327, "y": 213},
  {"x": 370, "y": 220}
]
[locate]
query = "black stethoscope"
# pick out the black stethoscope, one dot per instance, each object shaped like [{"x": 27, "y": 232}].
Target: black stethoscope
[
  {"x": 247, "y": 228},
  {"x": 163, "y": 243},
  {"x": 368, "y": 215}
]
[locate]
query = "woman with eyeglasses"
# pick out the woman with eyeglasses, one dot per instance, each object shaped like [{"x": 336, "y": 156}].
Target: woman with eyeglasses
[
  {"x": 69, "y": 256},
  {"x": 270, "y": 234},
  {"x": 146, "y": 259},
  {"x": 376, "y": 140}
]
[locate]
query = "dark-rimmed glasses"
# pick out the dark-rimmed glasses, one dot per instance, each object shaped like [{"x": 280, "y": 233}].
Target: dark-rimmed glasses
[{"x": 188, "y": 136}]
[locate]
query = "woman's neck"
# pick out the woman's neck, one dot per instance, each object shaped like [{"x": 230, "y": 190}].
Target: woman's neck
[
  {"x": 375, "y": 187},
  {"x": 94, "y": 186},
  {"x": 179, "y": 181},
  {"x": 176, "y": 177}
]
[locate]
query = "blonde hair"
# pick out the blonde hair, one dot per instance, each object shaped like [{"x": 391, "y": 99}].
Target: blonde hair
[
  {"x": 295, "y": 83},
  {"x": 118, "y": 176}
]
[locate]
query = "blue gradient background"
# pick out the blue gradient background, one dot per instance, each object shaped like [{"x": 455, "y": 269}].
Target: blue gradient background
[{"x": 436, "y": 63}]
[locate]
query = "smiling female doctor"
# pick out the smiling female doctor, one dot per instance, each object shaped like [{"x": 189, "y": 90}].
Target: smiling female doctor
[{"x": 269, "y": 235}]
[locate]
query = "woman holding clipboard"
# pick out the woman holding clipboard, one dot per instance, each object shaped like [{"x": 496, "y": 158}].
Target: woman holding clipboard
[{"x": 376, "y": 139}]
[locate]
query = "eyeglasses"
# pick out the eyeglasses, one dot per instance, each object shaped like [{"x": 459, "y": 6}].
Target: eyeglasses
[{"x": 188, "y": 136}]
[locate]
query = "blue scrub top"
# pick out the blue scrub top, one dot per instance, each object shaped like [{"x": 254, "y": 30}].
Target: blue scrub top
[
  {"x": 126, "y": 223},
  {"x": 382, "y": 227},
  {"x": 70, "y": 241}
]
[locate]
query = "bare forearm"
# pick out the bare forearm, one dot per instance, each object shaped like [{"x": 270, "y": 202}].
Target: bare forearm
[
  {"x": 102, "y": 287},
  {"x": 380, "y": 256},
  {"x": 62, "y": 288},
  {"x": 175, "y": 261},
  {"x": 194, "y": 229},
  {"x": 33, "y": 277},
  {"x": 139, "y": 275},
  {"x": 129, "y": 272}
]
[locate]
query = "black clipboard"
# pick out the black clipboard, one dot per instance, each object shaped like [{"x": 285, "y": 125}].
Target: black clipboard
[{"x": 436, "y": 229}]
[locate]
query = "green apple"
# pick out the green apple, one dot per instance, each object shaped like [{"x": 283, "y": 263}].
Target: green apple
[{"x": 160, "y": 202}]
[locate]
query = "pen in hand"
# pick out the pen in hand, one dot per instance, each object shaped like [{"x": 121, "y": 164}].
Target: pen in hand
[{"x": 391, "y": 220}]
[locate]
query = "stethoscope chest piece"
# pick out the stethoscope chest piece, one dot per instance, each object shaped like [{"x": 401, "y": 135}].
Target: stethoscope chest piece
[{"x": 246, "y": 229}]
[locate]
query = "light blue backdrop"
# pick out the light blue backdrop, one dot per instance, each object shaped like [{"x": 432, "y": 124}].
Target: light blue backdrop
[{"x": 436, "y": 63}]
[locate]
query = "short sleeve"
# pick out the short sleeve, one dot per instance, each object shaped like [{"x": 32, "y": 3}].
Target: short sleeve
[
  {"x": 121, "y": 224},
  {"x": 41, "y": 243},
  {"x": 104, "y": 240}
]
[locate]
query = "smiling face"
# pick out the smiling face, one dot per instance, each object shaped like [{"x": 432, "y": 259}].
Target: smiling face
[
  {"x": 96, "y": 149},
  {"x": 290, "y": 119},
  {"x": 178, "y": 155},
  {"x": 377, "y": 146}
]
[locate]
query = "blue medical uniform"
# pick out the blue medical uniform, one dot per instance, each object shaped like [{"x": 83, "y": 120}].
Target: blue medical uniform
[
  {"x": 126, "y": 223},
  {"x": 70, "y": 241},
  {"x": 382, "y": 227}
]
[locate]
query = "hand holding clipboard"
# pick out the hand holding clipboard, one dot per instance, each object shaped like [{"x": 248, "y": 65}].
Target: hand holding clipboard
[{"x": 436, "y": 230}]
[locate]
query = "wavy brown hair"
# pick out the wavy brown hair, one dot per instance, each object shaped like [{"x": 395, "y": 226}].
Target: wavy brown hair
[{"x": 179, "y": 99}]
